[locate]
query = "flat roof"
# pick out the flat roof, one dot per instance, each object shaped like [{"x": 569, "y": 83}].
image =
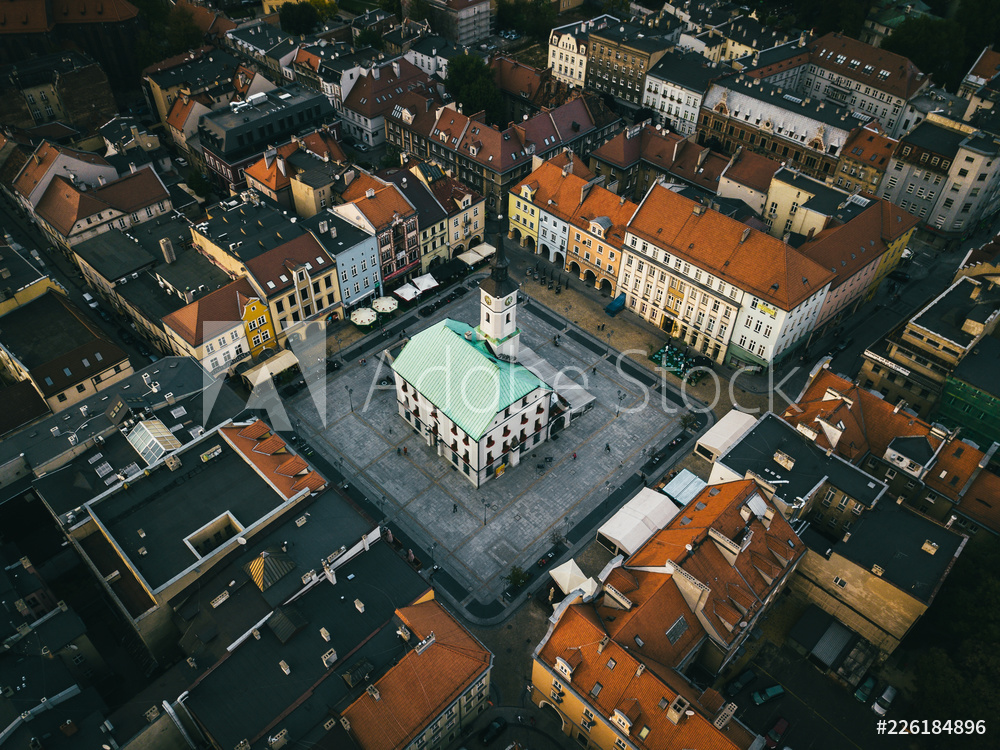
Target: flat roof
[
  {"x": 980, "y": 366},
  {"x": 196, "y": 73},
  {"x": 258, "y": 227},
  {"x": 755, "y": 451},
  {"x": 180, "y": 376},
  {"x": 945, "y": 315},
  {"x": 936, "y": 138},
  {"x": 21, "y": 267},
  {"x": 246, "y": 692},
  {"x": 348, "y": 236},
  {"x": 893, "y": 537},
  {"x": 116, "y": 254},
  {"x": 171, "y": 505}
]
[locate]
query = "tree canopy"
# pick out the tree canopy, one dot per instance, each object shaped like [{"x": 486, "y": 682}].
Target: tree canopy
[
  {"x": 470, "y": 82},
  {"x": 936, "y": 46},
  {"x": 298, "y": 18},
  {"x": 369, "y": 38},
  {"x": 534, "y": 18}
]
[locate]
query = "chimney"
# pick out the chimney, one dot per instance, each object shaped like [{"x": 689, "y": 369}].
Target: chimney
[
  {"x": 375, "y": 72},
  {"x": 188, "y": 295},
  {"x": 746, "y": 233},
  {"x": 395, "y": 68},
  {"x": 132, "y": 167},
  {"x": 167, "y": 248},
  {"x": 281, "y": 165},
  {"x": 102, "y": 180}
]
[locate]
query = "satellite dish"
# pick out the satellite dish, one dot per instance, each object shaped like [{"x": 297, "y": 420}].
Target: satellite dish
[
  {"x": 744, "y": 624},
  {"x": 241, "y": 540},
  {"x": 689, "y": 712},
  {"x": 688, "y": 547}
]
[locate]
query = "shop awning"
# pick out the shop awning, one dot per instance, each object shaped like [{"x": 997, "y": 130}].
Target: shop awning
[
  {"x": 470, "y": 258},
  {"x": 270, "y": 367},
  {"x": 424, "y": 283},
  {"x": 407, "y": 292},
  {"x": 484, "y": 250},
  {"x": 634, "y": 524},
  {"x": 569, "y": 577}
]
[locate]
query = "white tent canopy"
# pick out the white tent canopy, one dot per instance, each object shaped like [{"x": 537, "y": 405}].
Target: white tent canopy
[
  {"x": 484, "y": 250},
  {"x": 425, "y": 282},
  {"x": 407, "y": 292},
  {"x": 469, "y": 258},
  {"x": 644, "y": 515},
  {"x": 569, "y": 577},
  {"x": 724, "y": 434}
]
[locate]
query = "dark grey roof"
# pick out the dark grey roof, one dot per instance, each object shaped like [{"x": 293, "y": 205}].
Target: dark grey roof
[
  {"x": 892, "y": 536},
  {"x": 772, "y": 55},
  {"x": 24, "y": 269},
  {"x": 34, "y": 71},
  {"x": 119, "y": 129},
  {"x": 87, "y": 711},
  {"x": 260, "y": 227},
  {"x": 947, "y": 313},
  {"x": 180, "y": 376},
  {"x": 935, "y": 138},
  {"x": 915, "y": 447},
  {"x": 436, "y": 46},
  {"x": 243, "y": 128},
  {"x": 169, "y": 506},
  {"x": 46, "y": 329},
  {"x": 826, "y": 199},
  {"x": 632, "y": 35},
  {"x": 690, "y": 70},
  {"x": 200, "y": 72},
  {"x": 363, "y": 57},
  {"x": 247, "y": 691},
  {"x": 261, "y": 35},
  {"x": 980, "y": 366},
  {"x": 755, "y": 450},
  {"x": 56, "y": 631},
  {"x": 429, "y": 211}
]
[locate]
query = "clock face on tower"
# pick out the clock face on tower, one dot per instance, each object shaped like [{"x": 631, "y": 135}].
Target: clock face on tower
[
  {"x": 509, "y": 300},
  {"x": 487, "y": 300}
]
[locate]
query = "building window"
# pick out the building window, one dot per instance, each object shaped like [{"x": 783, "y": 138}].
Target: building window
[{"x": 838, "y": 581}]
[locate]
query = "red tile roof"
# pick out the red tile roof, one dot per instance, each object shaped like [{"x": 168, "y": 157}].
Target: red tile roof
[
  {"x": 224, "y": 306},
  {"x": 987, "y": 65},
  {"x": 207, "y": 21},
  {"x": 443, "y": 671},
  {"x": 753, "y": 170},
  {"x": 372, "y": 97},
  {"x": 904, "y": 79},
  {"x": 63, "y": 204},
  {"x": 760, "y": 264},
  {"x": 869, "y": 147},
  {"x": 383, "y": 206},
  {"x": 248, "y": 438},
  {"x": 321, "y": 143},
  {"x": 42, "y": 160},
  {"x": 268, "y": 268}
]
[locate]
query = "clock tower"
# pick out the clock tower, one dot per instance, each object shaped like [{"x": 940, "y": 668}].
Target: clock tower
[{"x": 498, "y": 308}]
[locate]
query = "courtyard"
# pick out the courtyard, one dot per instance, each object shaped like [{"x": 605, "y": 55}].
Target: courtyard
[{"x": 476, "y": 535}]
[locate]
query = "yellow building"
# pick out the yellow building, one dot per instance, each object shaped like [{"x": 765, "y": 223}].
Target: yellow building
[
  {"x": 800, "y": 204},
  {"x": 222, "y": 328},
  {"x": 523, "y": 214}
]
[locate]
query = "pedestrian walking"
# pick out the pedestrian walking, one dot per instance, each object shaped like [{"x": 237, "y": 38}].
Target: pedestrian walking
[
  {"x": 574, "y": 457},
  {"x": 454, "y": 507},
  {"x": 607, "y": 447},
  {"x": 399, "y": 451},
  {"x": 405, "y": 452}
]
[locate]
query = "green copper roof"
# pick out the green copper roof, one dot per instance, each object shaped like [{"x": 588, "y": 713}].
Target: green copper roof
[{"x": 462, "y": 378}]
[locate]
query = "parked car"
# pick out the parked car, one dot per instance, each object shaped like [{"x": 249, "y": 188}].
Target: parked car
[
  {"x": 362, "y": 147},
  {"x": 864, "y": 692},
  {"x": 907, "y": 254},
  {"x": 775, "y": 733},
  {"x": 842, "y": 345},
  {"x": 740, "y": 682},
  {"x": 898, "y": 275},
  {"x": 426, "y": 310},
  {"x": 884, "y": 701},
  {"x": 494, "y": 730},
  {"x": 760, "y": 697},
  {"x": 91, "y": 302}
]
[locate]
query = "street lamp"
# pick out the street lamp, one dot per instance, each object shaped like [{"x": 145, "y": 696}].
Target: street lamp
[
  {"x": 608, "y": 352},
  {"x": 350, "y": 396},
  {"x": 621, "y": 397}
]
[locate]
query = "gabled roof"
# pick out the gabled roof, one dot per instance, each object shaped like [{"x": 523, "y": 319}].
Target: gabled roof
[
  {"x": 63, "y": 204},
  {"x": 847, "y": 248},
  {"x": 474, "y": 387},
  {"x": 868, "y": 65},
  {"x": 443, "y": 670},
  {"x": 383, "y": 206},
  {"x": 274, "y": 269},
  {"x": 751, "y": 169},
  {"x": 870, "y": 147},
  {"x": 223, "y": 306},
  {"x": 42, "y": 160},
  {"x": 372, "y": 96},
  {"x": 321, "y": 143},
  {"x": 272, "y": 170},
  {"x": 207, "y": 21},
  {"x": 761, "y": 264}
]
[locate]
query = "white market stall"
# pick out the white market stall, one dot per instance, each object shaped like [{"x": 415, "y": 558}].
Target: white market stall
[{"x": 633, "y": 525}]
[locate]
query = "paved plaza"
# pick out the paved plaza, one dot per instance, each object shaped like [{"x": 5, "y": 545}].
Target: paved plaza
[{"x": 476, "y": 535}]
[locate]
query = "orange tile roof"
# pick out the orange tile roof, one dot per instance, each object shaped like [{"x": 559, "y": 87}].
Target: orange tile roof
[
  {"x": 556, "y": 191},
  {"x": 43, "y": 159},
  {"x": 625, "y": 687},
  {"x": 847, "y": 248},
  {"x": 246, "y": 438},
  {"x": 207, "y": 21},
  {"x": 601, "y": 202},
  {"x": 63, "y": 204},
  {"x": 274, "y": 172},
  {"x": 270, "y": 446},
  {"x": 869, "y": 147},
  {"x": 761, "y": 264},
  {"x": 136, "y": 190},
  {"x": 293, "y": 466},
  {"x": 381, "y": 208},
  {"x": 420, "y": 686},
  {"x": 577, "y": 165},
  {"x": 981, "y": 501},
  {"x": 321, "y": 143},
  {"x": 373, "y": 96},
  {"x": 223, "y": 305}
]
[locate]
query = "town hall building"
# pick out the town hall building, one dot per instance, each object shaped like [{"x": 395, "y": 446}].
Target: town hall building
[{"x": 467, "y": 392}]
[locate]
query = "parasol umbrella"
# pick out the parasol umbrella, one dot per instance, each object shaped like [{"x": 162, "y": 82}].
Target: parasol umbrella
[
  {"x": 384, "y": 305},
  {"x": 363, "y": 316}
]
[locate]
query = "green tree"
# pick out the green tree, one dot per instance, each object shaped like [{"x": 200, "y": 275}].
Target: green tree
[
  {"x": 936, "y": 46},
  {"x": 420, "y": 10},
  {"x": 981, "y": 23},
  {"x": 182, "y": 33},
  {"x": 298, "y": 18},
  {"x": 325, "y": 8},
  {"x": 392, "y": 6},
  {"x": 470, "y": 82},
  {"x": 517, "y": 576},
  {"x": 847, "y": 16},
  {"x": 689, "y": 421},
  {"x": 370, "y": 38}
]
